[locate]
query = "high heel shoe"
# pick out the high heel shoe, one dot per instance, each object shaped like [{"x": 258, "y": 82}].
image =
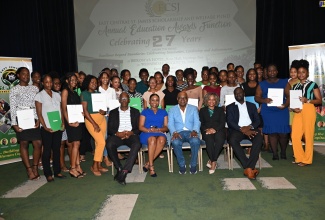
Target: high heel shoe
[
  {"x": 151, "y": 168},
  {"x": 37, "y": 174},
  {"x": 96, "y": 173},
  {"x": 30, "y": 174},
  {"x": 145, "y": 168},
  {"x": 212, "y": 170},
  {"x": 75, "y": 175},
  {"x": 107, "y": 162}
]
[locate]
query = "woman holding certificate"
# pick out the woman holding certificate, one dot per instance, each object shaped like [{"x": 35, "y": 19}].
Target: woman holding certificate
[
  {"x": 273, "y": 94},
  {"x": 48, "y": 109},
  {"x": 21, "y": 100},
  {"x": 74, "y": 130},
  {"x": 94, "y": 120},
  {"x": 304, "y": 119}
]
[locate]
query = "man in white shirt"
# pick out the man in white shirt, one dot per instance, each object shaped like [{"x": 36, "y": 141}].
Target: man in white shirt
[
  {"x": 123, "y": 129},
  {"x": 243, "y": 122}
]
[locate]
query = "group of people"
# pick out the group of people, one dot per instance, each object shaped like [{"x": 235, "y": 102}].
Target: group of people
[{"x": 211, "y": 117}]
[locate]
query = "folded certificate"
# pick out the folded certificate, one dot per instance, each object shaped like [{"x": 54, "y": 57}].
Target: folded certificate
[
  {"x": 194, "y": 102},
  {"x": 251, "y": 99},
  {"x": 294, "y": 99},
  {"x": 276, "y": 95},
  {"x": 98, "y": 101},
  {"x": 26, "y": 118},
  {"x": 135, "y": 103},
  {"x": 112, "y": 104},
  {"x": 229, "y": 99},
  {"x": 75, "y": 113},
  {"x": 54, "y": 120},
  {"x": 168, "y": 107}
]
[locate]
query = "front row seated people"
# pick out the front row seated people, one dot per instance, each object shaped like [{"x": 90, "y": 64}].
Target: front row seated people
[
  {"x": 184, "y": 125},
  {"x": 243, "y": 120},
  {"x": 123, "y": 129}
]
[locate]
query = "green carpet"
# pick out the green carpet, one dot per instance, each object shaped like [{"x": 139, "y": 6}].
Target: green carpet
[{"x": 174, "y": 196}]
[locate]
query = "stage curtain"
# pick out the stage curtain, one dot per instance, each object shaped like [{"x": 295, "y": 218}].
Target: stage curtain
[
  {"x": 42, "y": 30},
  {"x": 280, "y": 24}
]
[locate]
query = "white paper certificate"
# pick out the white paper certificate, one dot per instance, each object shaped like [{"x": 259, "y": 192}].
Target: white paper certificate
[
  {"x": 99, "y": 102},
  {"x": 113, "y": 103},
  {"x": 26, "y": 119},
  {"x": 194, "y": 102},
  {"x": 75, "y": 113},
  {"x": 229, "y": 99},
  {"x": 276, "y": 95},
  {"x": 294, "y": 99}
]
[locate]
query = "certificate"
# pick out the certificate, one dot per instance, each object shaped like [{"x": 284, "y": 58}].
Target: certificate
[
  {"x": 26, "y": 119},
  {"x": 75, "y": 113},
  {"x": 194, "y": 102},
  {"x": 54, "y": 120},
  {"x": 113, "y": 103},
  {"x": 294, "y": 99},
  {"x": 135, "y": 103},
  {"x": 98, "y": 102},
  {"x": 229, "y": 99},
  {"x": 276, "y": 95}
]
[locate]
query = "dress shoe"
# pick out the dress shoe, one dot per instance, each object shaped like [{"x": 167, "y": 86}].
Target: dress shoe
[
  {"x": 249, "y": 173},
  {"x": 121, "y": 177},
  {"x": 49, "y": 179},
  {"x": 275, "y": 157},
  {"x": 255, "y": 171}
]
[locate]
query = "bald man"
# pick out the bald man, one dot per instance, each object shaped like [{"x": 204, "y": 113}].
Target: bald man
[{"x": 184, "y": 125}]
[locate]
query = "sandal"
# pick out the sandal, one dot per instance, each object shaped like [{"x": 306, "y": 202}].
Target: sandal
[
  {"x": 146, "y": 167},
  {"x": 82, "y": 158},
  {"x": 35, "y": 171},
  {"x": 30, "y": 174},
  {"x": 152, "y": 171},
  {"x": 162, "y": 156},
  {"x": 96, "y": 173},
  {"x": 64, "y": 169},
  {"x": 79, "y": 170},
  {"x": 302, "y": 164},
  {"x": 75, "y": 175},
  {"x": 107, "y": 162}
]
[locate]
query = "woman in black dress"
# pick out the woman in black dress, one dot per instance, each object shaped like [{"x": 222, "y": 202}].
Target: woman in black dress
[{"x": 74, "y": 130}]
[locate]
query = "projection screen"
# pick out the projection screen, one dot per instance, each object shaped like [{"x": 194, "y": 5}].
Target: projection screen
[{"x": 135, "y": 34}]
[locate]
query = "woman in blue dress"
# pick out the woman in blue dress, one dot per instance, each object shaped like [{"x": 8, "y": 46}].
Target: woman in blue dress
[
  {"x": 275, "y": 119},
  {"x": 153, "y": 124}
]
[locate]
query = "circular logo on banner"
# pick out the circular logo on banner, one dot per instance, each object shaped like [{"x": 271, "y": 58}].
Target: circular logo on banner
[{"x": 9, "y": 77}]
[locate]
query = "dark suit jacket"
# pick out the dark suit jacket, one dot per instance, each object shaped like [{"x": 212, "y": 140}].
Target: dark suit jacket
[
  {"x": 114, "y": 121},
  {"x": 232, "y": 113},
  {"x": 216, "y": 121}
]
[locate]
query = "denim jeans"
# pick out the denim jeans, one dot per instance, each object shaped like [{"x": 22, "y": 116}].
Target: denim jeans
[{"x": 177, "y": 146}]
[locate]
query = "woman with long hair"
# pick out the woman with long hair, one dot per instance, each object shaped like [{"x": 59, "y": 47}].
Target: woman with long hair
[{"x": 74, "y": 130}]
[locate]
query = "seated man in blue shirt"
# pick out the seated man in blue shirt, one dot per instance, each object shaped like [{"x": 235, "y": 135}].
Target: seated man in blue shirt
[
  {"x": 184, "y": 125},
  {"x": 243, "y": 122}
]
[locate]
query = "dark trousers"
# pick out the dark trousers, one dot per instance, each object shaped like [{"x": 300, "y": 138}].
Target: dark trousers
[
  {"x": 235, "y": 137},
  {"x": 214, "y": 144},
  {"x": 51, "y": 143},
  {"x": 85, "y": 141},
  {"x": 113, "y": 142}
]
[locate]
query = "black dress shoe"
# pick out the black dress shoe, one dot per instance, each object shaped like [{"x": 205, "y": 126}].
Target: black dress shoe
[
  {"x": 117, "y": 175},
  {"x": 122, "y": 177},
  {"x": 49, "y": 179},
  {"x": 284, "y": 157}
]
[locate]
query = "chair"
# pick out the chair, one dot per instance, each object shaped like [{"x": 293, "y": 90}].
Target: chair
[
  {"x": 123, "y": 149},
  {"x": 186, "y": 145},
  {"x": 144, "y": 148},
  {"x": 244, "y": 143},
  {"x": 226, "y": 153}
]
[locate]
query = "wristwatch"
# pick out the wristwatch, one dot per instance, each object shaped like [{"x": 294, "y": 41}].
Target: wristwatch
[{"x": 252, "y": 128}]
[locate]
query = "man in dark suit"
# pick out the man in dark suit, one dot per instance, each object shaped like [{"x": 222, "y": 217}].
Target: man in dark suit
[
  {"x": 243, "y": 120},
  {"x": 123, "y": 129}
]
